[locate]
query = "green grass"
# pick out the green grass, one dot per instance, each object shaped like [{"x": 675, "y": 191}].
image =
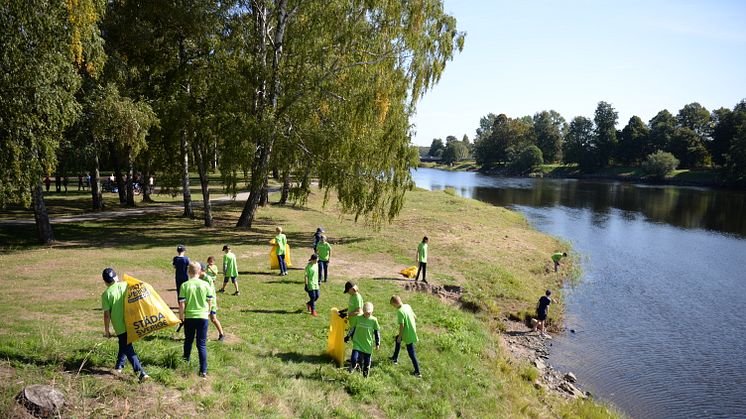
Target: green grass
[{"x": 273, "y": 363}]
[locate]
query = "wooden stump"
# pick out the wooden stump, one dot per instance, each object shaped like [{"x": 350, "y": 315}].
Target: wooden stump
[{"x": 41, "y": 400}]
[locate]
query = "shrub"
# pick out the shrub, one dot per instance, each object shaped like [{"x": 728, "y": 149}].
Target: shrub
[
  {"x": 528, "y": 160},
  {"x": 659, "y": 164}
]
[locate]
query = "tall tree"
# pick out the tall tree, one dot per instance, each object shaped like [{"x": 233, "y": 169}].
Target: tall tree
[
  {"x": 662, "y": 127},
  {"x": 455, "y": 151},
  {"x": 580, "y": 144},
  {"x": 697, "y": 119},
  {"x": 722, "y": 134},
  {"x": 735, "y": 161},
  {"x": 605, "y": 119},
  {"x": 632, "y": 142},
  {"x": 485, "y": 127},
  {"x": 548, "y": 127},
  {"x": 436, "y": 148}
]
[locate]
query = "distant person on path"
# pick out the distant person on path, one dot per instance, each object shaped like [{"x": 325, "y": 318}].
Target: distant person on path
[
  {"x": 57, "y": 183},
  {"x": 209, "y": 274},
  {"x": 317, "y": 238},
  {"x": 230, "y": 269},
  {"x": 47, "y": 182},
  {"x": 80, "y": 181},
  {"x": 194, "y": 309},
  {"x": 112, "y": 304},
  {"x": 355, "y": 305},
  {"x": 324, "y": 250},
  {"x": 422, "y": 259},
  {"x": 65, "y": 182},
  {"x": 556, "y": 257},
  {"x": 181, "y": 264},
  {"x": 311, "y": 279},
  {"x": 281, "y": 241},
  {"x": 87, "y": 180},
  {"x": 363, "y": 331},
  {"x": 407, "y": 321},
  {"x": 542, "y": 309}
]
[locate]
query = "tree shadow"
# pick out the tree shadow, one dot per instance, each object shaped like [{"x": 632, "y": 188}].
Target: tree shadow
[
  {"x": 258, "y": 273},
  {"x": 284, "y": 281},
  {"x": 391, "y": 278},
  {"x": 297, "y": 358},
  {"x": 270, "y": 311}
]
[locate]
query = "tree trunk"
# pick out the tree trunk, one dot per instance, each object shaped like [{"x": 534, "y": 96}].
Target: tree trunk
[
  {"x": 204, "y": 180},
  {"x": 130, "y": 180},
  {"x": 98, "y": 202},
  {"x": 146, "y": 185},
  {"x": 265, "y": 192},
  {"x": 188, "y": 211},
  {"x": 118, "y": 175},
  {"x": 258, "y": 173},
  {"x": 43, "y": 226},
  {"x": 285, "y": 188},
  {"x": 275, "y": 174}
]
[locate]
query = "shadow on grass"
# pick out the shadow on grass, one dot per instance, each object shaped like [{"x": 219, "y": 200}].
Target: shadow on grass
[
  {"x": 257, "y": 273},
  {"x": 297, "y": 357},
  {"x": 270, "y": 311},
  {"x": 391, "y": 278},
  {"x": 284, "y": 281}
]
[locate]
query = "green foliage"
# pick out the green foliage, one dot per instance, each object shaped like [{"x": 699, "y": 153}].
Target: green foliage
[
  {"x": 580, "y": 146},
  {"x": 507, "y": 138},
  {"x": 633, "y": 141},
  {"x": 548, "y": 127},
  {"x": 605, "y": 120},
  {"x": 455, "y": 151},
  {"x": 436, "y": 148},
  {"x": 528, "y": 160},
  {"x": 689, "y": 148},
  {"x": 662, "y": 127},
  {"x": 660, "y": 164},
  {"x": 735, "y": 160}
]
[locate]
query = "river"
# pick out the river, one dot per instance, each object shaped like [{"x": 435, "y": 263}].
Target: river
[{"x": 658, "y": 311}]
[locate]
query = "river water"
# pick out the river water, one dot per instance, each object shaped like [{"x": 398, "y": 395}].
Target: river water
[{"x": 659, "y": 311}]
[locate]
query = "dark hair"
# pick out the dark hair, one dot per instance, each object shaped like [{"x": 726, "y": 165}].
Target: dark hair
[
  {"x": 226, "y": 247},
  {"x": 180, "y": 248},
  {"x": 314, "y": 256},
  {"x": 425, "y": 238},
  {"x": 548, "y": 293},
  {"x": 108, "y": 275},
  {"x": 564, "y": 254}
]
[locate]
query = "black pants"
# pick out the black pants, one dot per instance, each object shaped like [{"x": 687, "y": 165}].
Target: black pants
[
  {"x": 197, "y": 327},
  {"x": 423, "y": 268}
]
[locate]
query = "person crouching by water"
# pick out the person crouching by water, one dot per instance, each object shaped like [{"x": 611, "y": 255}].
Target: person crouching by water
[
  {"x": 112, "y": 304},
  {"x": 194, "y": 310},
  {"x": 311, "y": 279},
  {"x": 364, "y": 330}
]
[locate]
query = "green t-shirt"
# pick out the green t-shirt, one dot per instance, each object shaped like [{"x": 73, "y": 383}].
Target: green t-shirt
[
  {"x": 281, "y": 241},
  {"x": 356, "y": 302},
  {"x": 405, "y": 315},
  {"x": 557, "y": 256},
  {"x": 211, "y": 282},
  {"x": 422, "y": 252},
  {"x": 196, "y": 295},
  {"x": 212, "y": 272},
  {"x": 323, "y": 250},
  {"x": 112, "y": 300},
  {"x": 364, "y": 338},
  {"x": 312, "y": 273},
  {"x": 230, "y": 269}
]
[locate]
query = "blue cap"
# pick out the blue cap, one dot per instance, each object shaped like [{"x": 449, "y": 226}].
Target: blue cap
[{"x": 108, "y": 274}]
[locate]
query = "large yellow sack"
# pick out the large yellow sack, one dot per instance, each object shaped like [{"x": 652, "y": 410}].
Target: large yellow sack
[
  {"x": 335, "y": 345},
  {"x": 410, "y": 272},
  {"x": 273, "y": 262},
  {"x": 144, "y": 310}
]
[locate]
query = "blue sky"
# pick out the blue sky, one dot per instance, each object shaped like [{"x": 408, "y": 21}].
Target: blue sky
[{"x": 525, "y": 56}]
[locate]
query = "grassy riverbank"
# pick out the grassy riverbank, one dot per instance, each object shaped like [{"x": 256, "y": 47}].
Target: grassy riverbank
[{"x": 272, "y": 363}]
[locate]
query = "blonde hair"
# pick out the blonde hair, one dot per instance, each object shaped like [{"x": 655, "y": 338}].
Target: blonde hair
[
  {"x": 194, "y": 269},
  {"x": 368, "y": 307},
  {"x": 278, "y": 229},
  {"x": 395, "y": 299}
]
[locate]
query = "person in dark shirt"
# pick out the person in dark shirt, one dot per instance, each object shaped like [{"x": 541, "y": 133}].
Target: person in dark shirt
[
  {"x": 317, "y": 238},
  {"x": 542, "y": 309},
  {"x": 181, "y": 264}
]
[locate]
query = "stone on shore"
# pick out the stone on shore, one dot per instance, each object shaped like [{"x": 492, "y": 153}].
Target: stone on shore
[{"x": 41, "y": 400}]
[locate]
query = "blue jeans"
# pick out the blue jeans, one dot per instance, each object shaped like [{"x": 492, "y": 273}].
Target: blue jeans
[
  {"x": 127, "y": 351},
  {"x": 198, "y": 327},
  {"x": 312, "y": 297},
  {"x": 412, "y": 355},
  {"x": 323, "y": 267},
  {"x": 358, "y": 356},
  {"x": 281, "y": 261}
]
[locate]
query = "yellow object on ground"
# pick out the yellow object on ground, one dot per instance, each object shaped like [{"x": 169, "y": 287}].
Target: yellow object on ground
[
  {"x": 273, "y": 263},
  {"x": 335, "y": 346},
  {"x": 144, "y": 310},
  {"x": 410, "y": 272}
]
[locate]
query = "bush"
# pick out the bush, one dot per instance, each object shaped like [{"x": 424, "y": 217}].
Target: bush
[
  {"x": 528, "y": 160},
  {"x": 660, "y": 164}
]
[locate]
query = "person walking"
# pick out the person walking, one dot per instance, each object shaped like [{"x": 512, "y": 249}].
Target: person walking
[
  {"x": 355, "y": 304},
  {"x": 47, "y": 182},
  {"x": 311, "y": 279},
  {"x": 324, "y": 250},
  {"x": 363, "y": 331},
  {"x": 209, "y": 274},
  {"x": 195, "y": 296},
  {"x": 281, "y": 241},
  {"x": 422, "y": 259},
  {"x": 80, "y": 181},
  {"x": 181, "y": 264},
  {"x": 230, "y": 269},
  {"x": 556, "y": 257},
  {"x": 112, "y": 304},
  {"x": 317, "y": 238},
  {"x": 407, "y": 321}
]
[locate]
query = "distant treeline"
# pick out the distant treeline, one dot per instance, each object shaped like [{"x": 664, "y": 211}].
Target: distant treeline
[{"x": 696, "y": 137}]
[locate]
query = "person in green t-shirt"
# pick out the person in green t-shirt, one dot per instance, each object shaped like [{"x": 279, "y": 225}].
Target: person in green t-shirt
[
  {"x": 556, "y": 257},
  {"x": 355, "y": 304},
  {"x": 324, "y": 250},
  {"x": 194, "y": 309},
  {"x": 364, "y": 330},
  {"x": 230, "y": 269},
  {"x": 422, "y": 259},
  {"x": 311, "y": 279},
  {"x": 208, "y": 274},
  {"x": 112, "y": 304},
  {"x": 407, "y": 321},
  {"x": 281, "y": 241}
]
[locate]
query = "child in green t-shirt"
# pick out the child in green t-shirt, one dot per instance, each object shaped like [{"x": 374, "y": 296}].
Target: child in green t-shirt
[
  {"x": 363, "y": 330},
  {"x": 230, "y": 269},
  {"x": 324, "y": 250},
  {"x": 194, "y": 310},
  {"x": 556, "y": 257},
  {"x": 311, "y": 280},
  {"x": 209, "y": 273},
  {"x": 422, "y": 259},
  {"x": 407, "y": 321}
]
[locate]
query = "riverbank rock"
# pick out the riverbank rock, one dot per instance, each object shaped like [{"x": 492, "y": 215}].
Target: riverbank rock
[
  {"x": 572, "y": 390},
  {"x": 41, "y": 400},
  {"x": 570, "y": 377}
]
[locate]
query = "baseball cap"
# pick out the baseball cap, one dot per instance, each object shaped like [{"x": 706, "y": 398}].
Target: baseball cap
[
  {"x": 109, "y": 275},
  {"x": 348, "y": 286}
]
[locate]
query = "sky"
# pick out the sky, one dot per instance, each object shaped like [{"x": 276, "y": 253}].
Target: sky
[{"x": 524, "y": 56}]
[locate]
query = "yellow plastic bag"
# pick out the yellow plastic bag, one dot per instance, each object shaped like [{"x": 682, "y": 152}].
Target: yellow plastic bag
[
  {"x": 273, "y": 262},
  {"x": 144, "y": 310},
  {"x": 410, "y": 272},
  {"x": 335, "y": 345}
]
